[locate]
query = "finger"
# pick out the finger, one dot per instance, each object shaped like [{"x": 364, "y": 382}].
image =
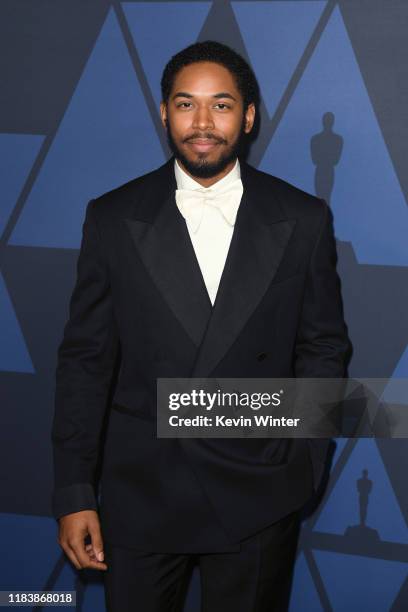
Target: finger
[
  {"x": 72, "y": 557},
  {"x": 91, "y": 552},
  {"x": 79, "y": 549},
  {"x": 77, "y": 546},
  {"x": 96, "y": 539}
]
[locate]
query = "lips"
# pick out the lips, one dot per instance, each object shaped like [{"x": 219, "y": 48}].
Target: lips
[{"x": 202, "y": 144}]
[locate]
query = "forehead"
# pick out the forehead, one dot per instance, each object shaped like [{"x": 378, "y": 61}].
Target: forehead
[{"x": 205, "y": 78}]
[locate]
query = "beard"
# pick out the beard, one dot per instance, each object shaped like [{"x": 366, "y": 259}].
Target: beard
[{"x": 202, "y": 168}]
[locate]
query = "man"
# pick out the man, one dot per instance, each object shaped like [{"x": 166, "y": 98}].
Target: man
[{"x": 204, "y": 267}]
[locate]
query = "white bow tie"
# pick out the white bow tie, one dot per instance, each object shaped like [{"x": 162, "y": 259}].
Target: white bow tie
[{"x": 191, "y": 202}]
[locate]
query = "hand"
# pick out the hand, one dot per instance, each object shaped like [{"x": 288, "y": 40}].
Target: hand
[{"x": 73, "y": 528}]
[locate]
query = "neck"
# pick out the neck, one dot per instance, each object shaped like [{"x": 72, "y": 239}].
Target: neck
[{"x": 207, "y": 182}]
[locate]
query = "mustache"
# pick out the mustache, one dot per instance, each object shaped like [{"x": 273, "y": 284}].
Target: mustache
[{"x": 204, "y": 137}]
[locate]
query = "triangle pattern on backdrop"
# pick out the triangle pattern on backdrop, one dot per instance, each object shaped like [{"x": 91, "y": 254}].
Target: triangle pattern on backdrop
[
  {"x": 342, "y": 509},
  {"x": 160, "y": 22},
  {"x": 359, "y": 583},
  {"x": 352, "y": 168},
  {"x": 106, "y": 138},
  {"x": 17, "y": 155},
  {"x": 304, "y": 595},
  {"x": 396, "y": 390},
  {"x": 14, "y": 355},
  {"x": 275, "y": 36}
]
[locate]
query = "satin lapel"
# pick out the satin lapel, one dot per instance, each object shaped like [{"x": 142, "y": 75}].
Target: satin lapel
[
  {"x": 258, "y": 243},
  {"x": 161, "y": 238}
]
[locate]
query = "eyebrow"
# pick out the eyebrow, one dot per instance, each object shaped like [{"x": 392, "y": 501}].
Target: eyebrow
[{"x": 184, "y": 94}]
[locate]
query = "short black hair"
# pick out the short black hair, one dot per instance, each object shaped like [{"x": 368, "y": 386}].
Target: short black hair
[{"x": 213, "y": 51}]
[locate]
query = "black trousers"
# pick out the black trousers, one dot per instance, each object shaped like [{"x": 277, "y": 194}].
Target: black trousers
[{"x": 258, "y": 578}]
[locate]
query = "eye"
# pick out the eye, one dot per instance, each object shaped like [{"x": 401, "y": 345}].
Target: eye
[
  {"x": 222, "y": 104},
  {"x": 183, "y": 103}
]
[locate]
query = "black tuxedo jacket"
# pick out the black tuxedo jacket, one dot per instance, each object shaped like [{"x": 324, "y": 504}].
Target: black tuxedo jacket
[{"x": 140, "y": 298}]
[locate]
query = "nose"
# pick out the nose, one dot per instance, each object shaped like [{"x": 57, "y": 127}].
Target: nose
[{"x": 202, "y": 119}]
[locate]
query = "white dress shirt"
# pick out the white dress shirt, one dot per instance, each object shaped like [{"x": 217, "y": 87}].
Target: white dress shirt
[{"x": 212, "y": 239}]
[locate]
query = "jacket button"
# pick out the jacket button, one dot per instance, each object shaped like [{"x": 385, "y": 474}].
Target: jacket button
[{"x": 261, "y": 356}]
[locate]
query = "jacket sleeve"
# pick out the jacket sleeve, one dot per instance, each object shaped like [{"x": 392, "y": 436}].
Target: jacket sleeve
[
  {"x": 322, "y": 342},
  {"x": 85, "y": 362}
]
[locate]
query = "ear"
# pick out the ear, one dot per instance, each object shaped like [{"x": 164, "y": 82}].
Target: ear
[
  {"x": 163, "y": 113},
  {"x": 249, "y": 117}
]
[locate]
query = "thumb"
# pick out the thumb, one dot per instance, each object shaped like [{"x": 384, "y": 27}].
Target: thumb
[{"x": 96, "y": 538}]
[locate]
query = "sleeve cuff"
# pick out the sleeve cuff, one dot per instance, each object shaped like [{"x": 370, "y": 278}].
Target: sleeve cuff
[{"x": 73, "y": 498}]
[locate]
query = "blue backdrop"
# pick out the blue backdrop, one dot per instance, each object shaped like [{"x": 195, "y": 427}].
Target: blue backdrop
[{"x": 80, "y": 115}]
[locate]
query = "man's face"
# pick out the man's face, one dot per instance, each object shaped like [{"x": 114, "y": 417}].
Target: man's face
[{"x": 205, "y": 119}]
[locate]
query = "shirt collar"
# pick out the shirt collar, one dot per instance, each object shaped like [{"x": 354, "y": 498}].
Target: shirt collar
[{"x": 185, "y": 181}]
